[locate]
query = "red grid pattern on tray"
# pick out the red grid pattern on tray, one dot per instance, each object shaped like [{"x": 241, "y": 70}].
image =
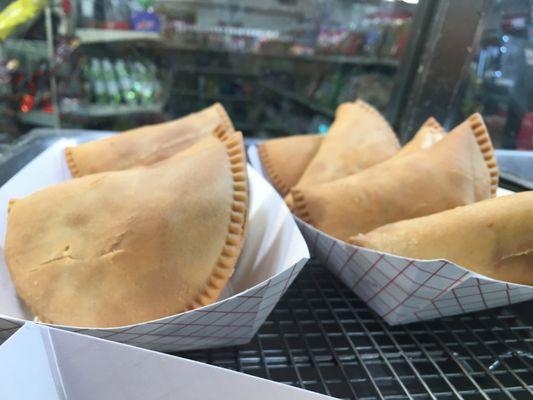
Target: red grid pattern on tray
[
  {"x": 405, "y": 290},
  {"x": 228, "y": 322}
]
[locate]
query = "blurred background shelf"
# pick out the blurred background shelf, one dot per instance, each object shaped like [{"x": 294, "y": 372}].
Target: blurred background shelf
[
  {"x": 196, "y": 70},
  {"x": 37, "y": 118},
  {"x": 213, "y": 97},
  {"x": 35, "y": 48},
  {"x": 118, "y": 110},
  {"x": 300, "y": 99},
  {"x": 316, "y": 58},
  {"x": 313, "y": 54},
  {"x": 89, "y": 35}
]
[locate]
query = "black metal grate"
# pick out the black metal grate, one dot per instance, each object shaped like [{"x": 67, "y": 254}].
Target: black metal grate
[{"x": 323, "y": 338}]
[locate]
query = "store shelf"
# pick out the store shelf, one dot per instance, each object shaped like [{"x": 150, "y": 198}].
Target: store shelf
[
  {"x": 33, "y": 48},
  {"x": 300, "y": 99},
  {"x": 339, "y": 59},
  {"x": 113, "y": 111},
  {"x": 284, "y": 126},
  {"x": 215, "y": 71},
  {"x": 38, "y": 118},
  {"x": 217, "y": 97},
  {"x": 280, "y": 10},
  {"x": 322, "y": 58},
  {"x": 88, "y": 35}
]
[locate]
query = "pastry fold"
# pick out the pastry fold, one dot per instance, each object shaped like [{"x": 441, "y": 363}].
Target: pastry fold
[
  {"x": 429, "y": 133},
  {"x": 459, "y": 169},
  {"x": 145, "y": 145},
  {"x": 285, "y": 159},
  {"x": 493, "y": 237},
  {"x": 124, "y": 247},
  {"x": 358, "y": 138}
]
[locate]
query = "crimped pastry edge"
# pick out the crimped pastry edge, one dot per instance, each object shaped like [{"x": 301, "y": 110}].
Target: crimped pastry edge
[
  {"x": 225, "y": 124},
  {"x": 69, "y": 157},
  {"x": 281, "y": 186},
  {"x": 226, "y": 120},
  {"x": 235, "y": 237},
  {"x": 299, "y": 207},
  {"x": 485, "y": 146},
  {"x": 433, "y": 124},
  {"x": 363, "y": 105}
]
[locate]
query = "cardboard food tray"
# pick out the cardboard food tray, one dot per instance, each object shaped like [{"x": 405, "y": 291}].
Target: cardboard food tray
[
  {"x": 403, "y": 290},
  {"x": 45, "y": 363},
  {"x": 273, "y": 255}
]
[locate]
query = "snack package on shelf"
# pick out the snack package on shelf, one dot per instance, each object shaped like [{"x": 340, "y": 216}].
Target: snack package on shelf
[
  {"x": 167, "y": 248},
  {"x": 17, "y": 14},
  {"x": 30, "y": 91},
  {"x": 418, "y": 235}
]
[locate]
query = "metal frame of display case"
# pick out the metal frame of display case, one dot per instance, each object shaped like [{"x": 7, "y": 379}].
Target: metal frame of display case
[{"x": 431, "y": 79}]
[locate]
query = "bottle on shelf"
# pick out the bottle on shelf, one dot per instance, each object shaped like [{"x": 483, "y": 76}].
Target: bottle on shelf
[
  {"x": 98, "y": 83},
  {"x": 125, "y": 82},
  {"x": 111, "y": 82},
  {"x": 144, "y": 85},
  {"x": 87, "y": 14}
]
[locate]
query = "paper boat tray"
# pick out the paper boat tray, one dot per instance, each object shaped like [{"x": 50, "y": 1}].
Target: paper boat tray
[
  {"x": 273, "y": 255},
  {"x": 44, "y": 363},
  {"x": 404, "y": 290}
]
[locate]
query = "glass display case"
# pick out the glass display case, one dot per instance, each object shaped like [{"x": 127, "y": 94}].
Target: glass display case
[
  {"x": 281, "y": 67},
  {"x": 499, "y": 84},
  {"x": 278, "y": 66}
]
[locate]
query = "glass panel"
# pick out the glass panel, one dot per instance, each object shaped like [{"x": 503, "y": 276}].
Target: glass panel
[
  {"x": 500, "y": 82},
  {"x": 278, "y": 66}
]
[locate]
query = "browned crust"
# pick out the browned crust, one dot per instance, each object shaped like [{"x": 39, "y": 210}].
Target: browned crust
[
  {"x": 353, "y": 241},
  {"x": 10, "y": 205},
  {"x": 270, "y": 168},
  {"x": 71, "y": 163},
  {"x": 299, "y": 207},
  {"x": 225, "y": 124},
  {"x": 226, "y": 120},
  {"x": 485, "y": 146},
  {"x": 368, "y": 108},
  {"x": 238, "y": 221},
  {"x": 433, "y": 124}
]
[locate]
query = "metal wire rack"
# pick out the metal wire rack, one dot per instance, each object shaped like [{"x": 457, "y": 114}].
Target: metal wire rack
[{"x": 323, "y": 338}]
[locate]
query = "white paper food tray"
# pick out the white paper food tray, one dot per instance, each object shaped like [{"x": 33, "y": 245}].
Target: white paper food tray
[
  {"x": 403, "y": 290},
  {"x": 44, "y": 363},
  {"x": 273, "y": 255}
]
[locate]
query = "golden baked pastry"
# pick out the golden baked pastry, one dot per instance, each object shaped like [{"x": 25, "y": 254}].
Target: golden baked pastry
[
  {"x": 429, "y": 133},
  {"x": 459, "y": 169},
  {"x": 358, "y": 138},
  {"x": 124, "y": 247},
  {"x": 493, "y": 237},
  {"x": 285, "y": 159},
  {"x": 145, "y": 145}
]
